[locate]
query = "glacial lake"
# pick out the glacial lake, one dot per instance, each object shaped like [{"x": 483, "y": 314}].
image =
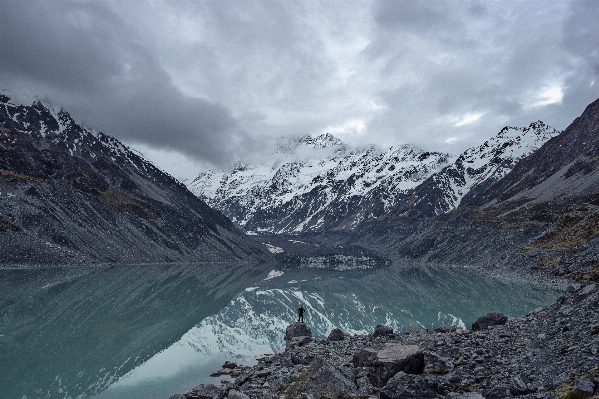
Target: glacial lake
[{"x": 150, "y": 331}]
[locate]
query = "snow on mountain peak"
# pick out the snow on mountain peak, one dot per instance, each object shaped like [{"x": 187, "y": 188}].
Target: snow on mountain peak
[
  {"x": 28, "y": 114},
  {"x": 15, "y": 100},
  {"x": 315, "y": 183},
  {"x": 477, "y": 168},
  {"x": 322, "y": 141}
]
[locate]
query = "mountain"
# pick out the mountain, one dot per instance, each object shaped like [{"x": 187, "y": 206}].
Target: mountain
[
  {"x": 543, "y": 214},
  {"x": 71, "y": 195},
  {"x": 316, "y": 184},
  {"x": 566, "y": 167},
  {"x": 474, "y": 170}
]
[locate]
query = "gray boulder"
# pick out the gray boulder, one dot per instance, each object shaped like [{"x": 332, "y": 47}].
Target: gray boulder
[
  {"x": 229, "y": 365},
  {"x": 326, "y": 380},
  {"x": 454, "y": 376},
  {"x": 206, "y": 391},
  {"x": 585, "y": 387},
  {"x": 336, "y": 335},
  {"x": 364, "y": 386},
  {"x": 178, "y": 396},
  {"x": 262, "y": 373},
  {"x": 490, "y": 319},
  {"x": 234, "y": 394},
  {"x": 297, "y": 330},
  {"x": 295, "y": 359},
  {"x": 409, "y": 386},
  {"x": 392, "y": 358},
  {"x": 284, "y": 359},
  {"x": 382, "y": 331},
  {"x": 243, "y": 377},
  {"x": 498, "y": 393}
]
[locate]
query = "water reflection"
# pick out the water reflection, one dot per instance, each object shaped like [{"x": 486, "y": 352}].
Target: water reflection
[
  {"x": 66, "y": 332},
  {"x": 255, "y": 320},
  {"x": 152, "y": 331}
]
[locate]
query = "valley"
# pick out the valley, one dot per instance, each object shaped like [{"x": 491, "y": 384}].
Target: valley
[{"x": 101, "y": 249}]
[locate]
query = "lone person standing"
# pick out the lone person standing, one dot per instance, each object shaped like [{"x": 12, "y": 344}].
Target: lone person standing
[{"x": 300, "y": 313}]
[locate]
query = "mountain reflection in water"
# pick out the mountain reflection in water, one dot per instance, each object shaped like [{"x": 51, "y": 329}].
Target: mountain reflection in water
[
  {"x": 65, "y": 332},
  {"x": 152, "y": 331}
]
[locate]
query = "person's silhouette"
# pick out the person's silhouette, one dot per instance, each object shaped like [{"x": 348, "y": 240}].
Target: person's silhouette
[{"x": 300, "y": 313}]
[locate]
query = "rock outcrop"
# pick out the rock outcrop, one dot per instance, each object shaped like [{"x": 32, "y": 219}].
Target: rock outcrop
[
  {"x": 490, "y": 319},
  {"x": 297, "y": 330},
  {"x": 234, "y": 394},
  {"x": 387, "y": 361},
  {"x": 229, "y": 365},
  {"x": 382, "y": 331},
  {"x": 205, "y": 391},
  {"x": 586, "y": 387},
  {"x": 335, "y": 335},
  {"x": 329, "y": 381}
]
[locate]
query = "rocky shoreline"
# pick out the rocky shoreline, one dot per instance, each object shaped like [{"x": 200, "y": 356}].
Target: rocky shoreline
[{"x": 551, "y": 352}]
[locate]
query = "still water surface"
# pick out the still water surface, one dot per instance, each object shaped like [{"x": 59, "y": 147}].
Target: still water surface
[{"x": 155, "y": 330}]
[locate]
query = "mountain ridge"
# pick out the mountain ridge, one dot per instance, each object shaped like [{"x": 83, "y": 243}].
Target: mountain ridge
[
  {"x": 317, "y": 191},
  {"x": 475, "y": 169},
  {"x": 571, "y": 158},
  {"x": 352, "y": 186},
  {"x": 542, "y": 216},
  {"x": 74, "y": 195}
]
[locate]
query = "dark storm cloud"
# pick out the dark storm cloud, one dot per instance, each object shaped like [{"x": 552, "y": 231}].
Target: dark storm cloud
[
  {"x": 502, "y": 62},
  {"x": 90, "y": 61},
  {"x": 220, "y": 80}
]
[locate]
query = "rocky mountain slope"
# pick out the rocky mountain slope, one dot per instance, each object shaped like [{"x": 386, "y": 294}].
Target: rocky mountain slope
[
  {"x": 544, "y": 214},
  {"x": 70, "y": 195},
  {"x": 474, "y": 170},
  {"x": 566, "y": 167},
  {"x": 316, "y": 184}
]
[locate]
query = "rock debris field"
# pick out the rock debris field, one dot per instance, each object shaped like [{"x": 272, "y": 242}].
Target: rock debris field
[{"x": 551, "y": 352}]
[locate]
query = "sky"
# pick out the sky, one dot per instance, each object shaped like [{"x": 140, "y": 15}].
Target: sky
[{"x": 200, "y": 84}]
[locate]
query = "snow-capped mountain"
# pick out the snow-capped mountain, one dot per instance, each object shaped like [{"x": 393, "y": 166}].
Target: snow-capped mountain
[
  {"x": 72, "y": 195},
  {"x": 474, "y": 170},
  {"x": 26, "y": 114},
  {"x": 316, "y": 184}
]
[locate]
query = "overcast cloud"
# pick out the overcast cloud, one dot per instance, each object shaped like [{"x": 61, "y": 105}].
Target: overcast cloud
[{"x": 201, "y": 84}]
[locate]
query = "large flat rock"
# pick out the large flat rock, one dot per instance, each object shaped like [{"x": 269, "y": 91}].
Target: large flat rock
[{"x": 387, "y": 361}]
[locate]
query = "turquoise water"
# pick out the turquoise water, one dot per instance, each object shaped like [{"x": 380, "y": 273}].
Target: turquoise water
[{"x": 152, "y": 331}]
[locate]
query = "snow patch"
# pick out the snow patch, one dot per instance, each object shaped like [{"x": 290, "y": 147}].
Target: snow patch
[
  {"x": 274, "y": 250},
  {"x": 273, "y": 273}
]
